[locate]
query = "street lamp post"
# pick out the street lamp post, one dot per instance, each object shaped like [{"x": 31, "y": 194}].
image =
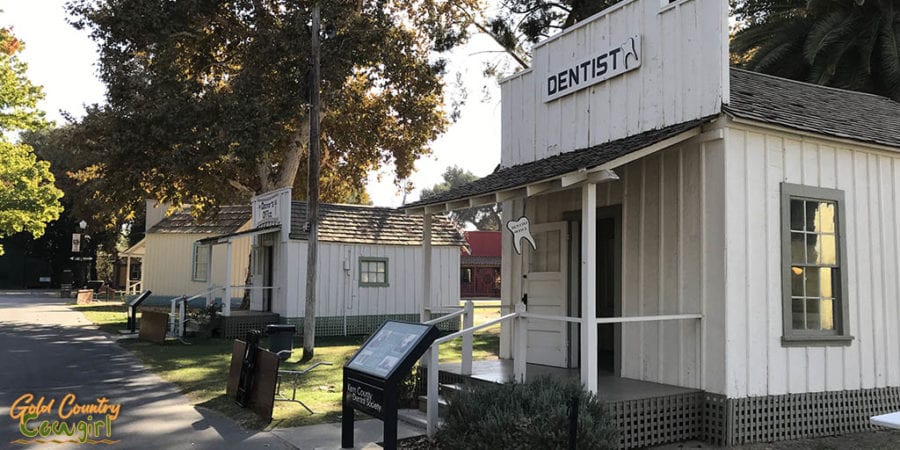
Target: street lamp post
[{"x": 84, "y": 267}]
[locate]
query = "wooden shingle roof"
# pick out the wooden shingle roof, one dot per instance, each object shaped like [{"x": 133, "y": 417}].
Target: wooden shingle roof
[
  {"x": 813, "y": 108},
  {"x": 370, "y": 225},
  {"x": 228, "y": 220}
]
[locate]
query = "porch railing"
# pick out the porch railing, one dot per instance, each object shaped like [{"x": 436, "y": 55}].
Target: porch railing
[
  {"x": 134, "y": 288},
  {"x": 178, "y": 307},
  {"x": 521, "y": 318}
]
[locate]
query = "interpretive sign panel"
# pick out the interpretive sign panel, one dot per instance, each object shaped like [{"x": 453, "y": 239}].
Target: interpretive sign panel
[
  {"x": 381, "y": 354},
  {"x": 372, "y": 376}
]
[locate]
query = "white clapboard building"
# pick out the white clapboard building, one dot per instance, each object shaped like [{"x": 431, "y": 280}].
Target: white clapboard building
[
  {"x": 370, "y": 265},
  {"x": 714, "y": 251}
]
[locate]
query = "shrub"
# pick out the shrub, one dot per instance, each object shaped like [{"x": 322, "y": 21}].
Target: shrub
[{"x": 525, "y": 416}]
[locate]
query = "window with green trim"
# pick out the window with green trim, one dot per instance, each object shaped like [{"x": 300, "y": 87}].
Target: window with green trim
[
  {"x": 814, "y": 274},
  {"x": 373, "y": 272}
]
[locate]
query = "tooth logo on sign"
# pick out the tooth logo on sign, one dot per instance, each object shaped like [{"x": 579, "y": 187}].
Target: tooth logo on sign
[{"x": 520, "y": 230}]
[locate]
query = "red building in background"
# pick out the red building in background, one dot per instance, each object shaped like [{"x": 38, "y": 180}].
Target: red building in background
[{"x": 480, "y": 267}]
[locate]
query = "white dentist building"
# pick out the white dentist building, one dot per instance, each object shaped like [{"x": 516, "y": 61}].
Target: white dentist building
[{"x": 718, "y": 247}]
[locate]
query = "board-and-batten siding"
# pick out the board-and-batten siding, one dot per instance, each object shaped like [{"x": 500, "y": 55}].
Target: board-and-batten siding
[
  {"x": 168, "y": 258},
  {"x": 672, "y": 259},
  {"x": 339, "y": 293},
  {"x": 757, "y": 161},
  {"x": 676, "y": 42}
]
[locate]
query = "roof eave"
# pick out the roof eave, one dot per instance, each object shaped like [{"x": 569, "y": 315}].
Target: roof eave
[{"x": 598, "y": 174}]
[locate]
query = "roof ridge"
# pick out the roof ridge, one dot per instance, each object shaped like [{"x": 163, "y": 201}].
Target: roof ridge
[{"x": 807, "y": 83}]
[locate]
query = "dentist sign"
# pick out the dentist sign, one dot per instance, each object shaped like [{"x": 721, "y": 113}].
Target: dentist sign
[{"x": 594, "y": 69}]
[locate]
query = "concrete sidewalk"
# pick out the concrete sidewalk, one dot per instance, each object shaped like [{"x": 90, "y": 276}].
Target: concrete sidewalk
[{"x": 328, "y": 435}]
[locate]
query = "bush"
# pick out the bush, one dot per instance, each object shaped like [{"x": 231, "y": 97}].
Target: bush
[{"x": 525, "y": 416}]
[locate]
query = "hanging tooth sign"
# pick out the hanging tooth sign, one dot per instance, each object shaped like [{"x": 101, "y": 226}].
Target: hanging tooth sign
[{"x": 521, "y": 229}]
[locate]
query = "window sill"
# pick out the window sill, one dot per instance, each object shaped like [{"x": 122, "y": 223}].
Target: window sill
[{"x": 816, "y": 341}]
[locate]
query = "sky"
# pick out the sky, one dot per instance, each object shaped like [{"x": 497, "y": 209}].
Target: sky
[{"x": 63, "y": 61}]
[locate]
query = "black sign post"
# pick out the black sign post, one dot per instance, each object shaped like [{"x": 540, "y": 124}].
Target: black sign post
[{"x": 372, "y": 376}]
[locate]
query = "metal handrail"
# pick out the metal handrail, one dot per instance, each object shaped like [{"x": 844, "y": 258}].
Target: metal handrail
[
  {"x": 475, "y": 328},
  {"x": 445, "y": 318},
  {"x": 466, "y": 333},
  {"x": 521, "y": 346}
]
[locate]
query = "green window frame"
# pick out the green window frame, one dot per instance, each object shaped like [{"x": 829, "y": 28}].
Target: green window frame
[
  {"x": 200, "y": 257},
  {"x": 815, "y": 304},
  {"x": 373, "y": 272}
]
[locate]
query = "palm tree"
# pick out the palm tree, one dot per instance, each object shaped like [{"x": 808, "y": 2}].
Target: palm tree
[{"x": 850, "y": 44}]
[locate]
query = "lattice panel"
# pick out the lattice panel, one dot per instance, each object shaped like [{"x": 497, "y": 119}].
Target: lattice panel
[
  {"x": 715, "y": 418},
  {"x": 658, "y": 420},
  {"x": 236, "y": 327},
  {"x": 359, "y": 325},
  {"x": 797, "y": 416}
]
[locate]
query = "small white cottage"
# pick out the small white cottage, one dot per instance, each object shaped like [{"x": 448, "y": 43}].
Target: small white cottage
[
  {"x": 713, "y": 251},
  {"x": 370, "y": 263},
  {"x": 175, "y": 264}
]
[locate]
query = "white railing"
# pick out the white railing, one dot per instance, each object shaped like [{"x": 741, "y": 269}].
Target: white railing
[
  {"x": 467, "y": 332},
  {"x": 521, "y": 317},
  {"x": 176, "y": 318},
  {"x": 134, "y": 288}
]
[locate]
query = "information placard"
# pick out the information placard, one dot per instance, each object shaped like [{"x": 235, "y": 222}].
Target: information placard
[
  {"x": 372, "y": 376},
  {"x": 392, "y": 343}
]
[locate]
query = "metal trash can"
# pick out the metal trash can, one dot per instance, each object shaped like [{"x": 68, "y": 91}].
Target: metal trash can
[{"x": 281, "y": 339}]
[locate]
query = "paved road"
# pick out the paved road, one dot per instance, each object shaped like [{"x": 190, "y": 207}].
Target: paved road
[{"x": 49, "y": 350}]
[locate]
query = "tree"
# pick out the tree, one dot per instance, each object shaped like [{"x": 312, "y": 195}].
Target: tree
[
  {"x": 519, "y": 24},
  {"x": 846, "y": 44},
  {"x": 208, "y": 100},
  {"x": 482, "y": 217},
  {"x": 28, "y": 197}
]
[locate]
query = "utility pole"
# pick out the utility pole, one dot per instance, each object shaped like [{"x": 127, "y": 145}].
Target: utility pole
[{"x": 312, "y": 203}]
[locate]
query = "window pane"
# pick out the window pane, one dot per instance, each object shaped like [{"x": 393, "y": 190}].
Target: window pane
[
  {"x": 364, "y": 277},
  {"x": 381, "y": 267},
  {"x": 797, "y": 322},
  {"x": 812, "y": 314},
  {"x": 812, "y": 282},
  {"x": 810, "y": 219},
  {"x": 381, "y": 277},
  {"x": 797, "y": 253},
  {"x": 827, "y": 253},
  {"x": 827, "y": 314},
  {"x": 796, "y": 281},
  {"x": 825, "y": 218},
  {"x": 797, "y": 215},
  {"x": 825, "y": 286},
  {"x": 812, "y": 254}
]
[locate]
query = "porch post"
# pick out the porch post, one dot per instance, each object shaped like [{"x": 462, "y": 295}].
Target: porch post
[
  {"x": 589, "y": 344},
  {"x": 226, "y": 296},
  {"x": 127, "y": 274},
  {"x": 424, "y": 313},
  {"x": 209, "y": 294}
]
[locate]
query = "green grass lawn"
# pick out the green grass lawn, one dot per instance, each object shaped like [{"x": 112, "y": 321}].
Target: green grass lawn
[{"x": 200, "y": 370}]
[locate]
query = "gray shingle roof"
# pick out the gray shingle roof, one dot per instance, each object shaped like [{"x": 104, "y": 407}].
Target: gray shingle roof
[
  {"x": 369, "y": 225},
  {"x": 554, "y": 166},
  {"x": 228, "y": 220},
  {"x": 818, "y": 109}
]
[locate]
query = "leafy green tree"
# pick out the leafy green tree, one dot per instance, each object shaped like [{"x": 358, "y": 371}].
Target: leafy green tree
[
  {"x": 481, "y": 217},
  {"x": 845, "y": 44},
  {"x": 28, "y": 197},
  {"x": 207, "y": 101}
]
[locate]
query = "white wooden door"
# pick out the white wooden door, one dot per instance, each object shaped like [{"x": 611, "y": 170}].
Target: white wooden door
[{"x": 545, "y": 285}]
